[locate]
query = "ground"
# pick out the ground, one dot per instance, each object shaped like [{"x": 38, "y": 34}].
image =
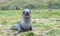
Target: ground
[{"x": 44, "y": 23}]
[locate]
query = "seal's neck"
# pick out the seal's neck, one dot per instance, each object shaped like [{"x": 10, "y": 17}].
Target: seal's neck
[{"x": 27, "y": 20}]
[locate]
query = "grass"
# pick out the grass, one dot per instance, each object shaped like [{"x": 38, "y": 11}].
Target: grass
[{"x": 42, "y": 22}]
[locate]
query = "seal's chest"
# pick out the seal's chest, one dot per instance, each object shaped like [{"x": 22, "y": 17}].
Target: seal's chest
[{"x": 26, "y": 26}]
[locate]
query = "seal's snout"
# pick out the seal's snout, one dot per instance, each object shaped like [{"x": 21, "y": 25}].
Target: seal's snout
[{"x": 27, "y": 14}]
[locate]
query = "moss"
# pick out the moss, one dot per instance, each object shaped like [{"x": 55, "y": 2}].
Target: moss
[{"x": 30, "y": 34}]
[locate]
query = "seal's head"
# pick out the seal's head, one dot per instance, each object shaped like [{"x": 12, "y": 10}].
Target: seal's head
[{"x": 26, "y": 13}]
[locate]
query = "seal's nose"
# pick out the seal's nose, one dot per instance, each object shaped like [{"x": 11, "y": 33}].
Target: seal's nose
[{"x": 27, "y": 12}]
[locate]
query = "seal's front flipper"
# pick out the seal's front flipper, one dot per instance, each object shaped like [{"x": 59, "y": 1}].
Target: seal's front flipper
[{"x": 30, "y": 28}]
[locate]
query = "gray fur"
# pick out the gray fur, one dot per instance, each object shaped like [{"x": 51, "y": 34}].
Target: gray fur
[{"x": 25, "y": 24}]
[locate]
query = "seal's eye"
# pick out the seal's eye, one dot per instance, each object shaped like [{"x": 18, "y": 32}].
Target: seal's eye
[
  {"x": 23, "y": 12},
  {"x": 30, "y": 11}
]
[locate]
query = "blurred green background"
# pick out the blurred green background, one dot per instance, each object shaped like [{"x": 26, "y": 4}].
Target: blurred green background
[{"x": 32, "y": 4}]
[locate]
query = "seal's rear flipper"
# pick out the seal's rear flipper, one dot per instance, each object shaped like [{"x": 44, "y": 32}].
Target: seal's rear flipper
[{"x": 13, "y": 28}]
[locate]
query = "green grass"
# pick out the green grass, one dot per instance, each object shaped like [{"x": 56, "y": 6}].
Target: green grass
[{"x": 41, "y": 22}]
